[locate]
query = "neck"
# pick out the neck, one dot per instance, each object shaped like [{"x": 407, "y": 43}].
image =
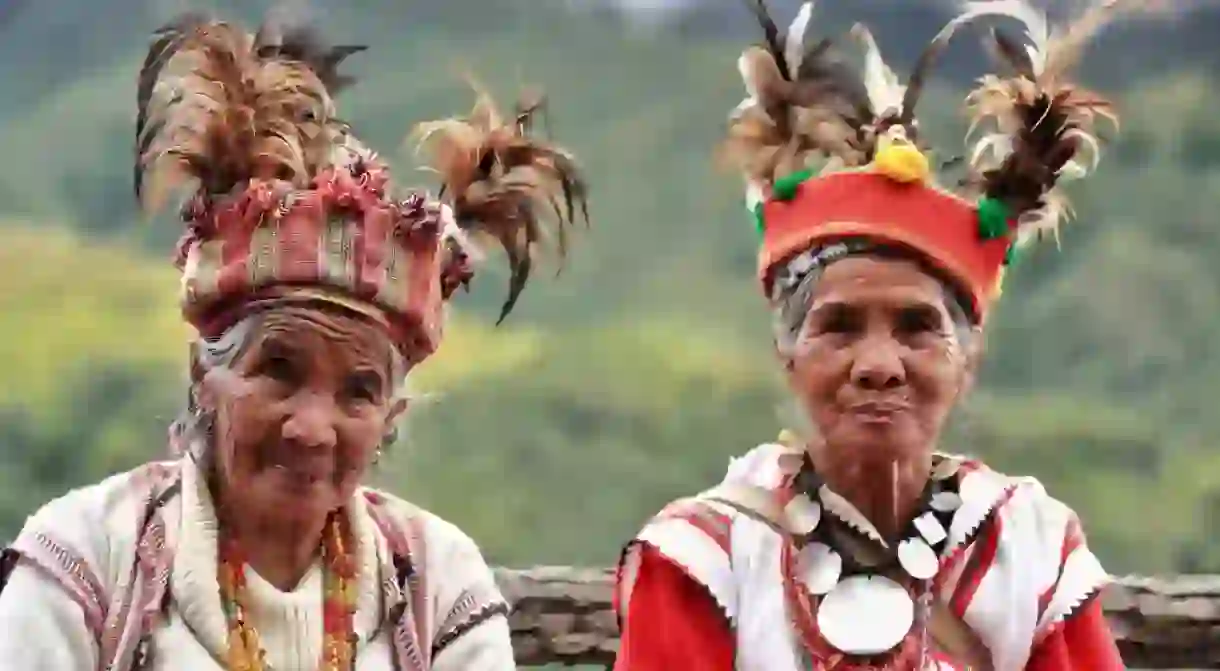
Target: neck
[
  {"x": 886, "y": 491},
  {"x": 280, "y": 551},
  {"x": 282, "y": 556}
]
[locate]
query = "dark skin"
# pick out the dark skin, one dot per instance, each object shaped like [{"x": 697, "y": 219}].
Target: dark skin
[
  {"x": 878, "y": 369},
  {"x": 299, "y": 419}
]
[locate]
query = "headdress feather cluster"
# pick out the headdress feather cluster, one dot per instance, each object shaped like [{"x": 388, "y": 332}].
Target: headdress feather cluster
[
  {"x": 505, "y": 184},
  {"x": 219, "y": 107},
  {"x": 805, "y": 102},
  {"x": 1042, "y": 128}
]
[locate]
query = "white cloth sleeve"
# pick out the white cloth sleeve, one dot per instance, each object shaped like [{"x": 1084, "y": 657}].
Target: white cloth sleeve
[
  {"x": 471, "y": 613},
  {"x": 41, "y": 627}
]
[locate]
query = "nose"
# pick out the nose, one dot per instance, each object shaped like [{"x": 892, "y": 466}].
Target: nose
[
  {"x": 311, "y": 422},
  {"x": 878, "y": 365}
]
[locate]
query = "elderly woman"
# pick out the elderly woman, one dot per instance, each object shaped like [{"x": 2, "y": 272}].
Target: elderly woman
[
  {"x": 315, "y": 292},
  {"x": 865, "y": 548}
]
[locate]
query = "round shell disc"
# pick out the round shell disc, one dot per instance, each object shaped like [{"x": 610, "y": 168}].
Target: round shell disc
[
  {"x": 946, "y": 502},
  {"x": 819, "y": 568},
  {"x": 918, "y": 559},
  {"x": 866, "y": 615},
  {"x": 803, "y": 515}
]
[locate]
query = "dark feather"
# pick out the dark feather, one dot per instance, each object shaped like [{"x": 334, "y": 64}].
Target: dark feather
[
  {"x": 918, "y": 79},
  {"x": 505, "y": 184},
  {"x": 1011, "y": 54},
  {"x": 304, "y": 43},
  {"x": 771, "y": 36},
  {"x": 1040, "y": 149}
]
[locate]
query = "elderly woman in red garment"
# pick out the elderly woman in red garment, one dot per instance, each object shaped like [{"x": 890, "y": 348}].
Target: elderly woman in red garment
[{"x": 865, "y": 547}]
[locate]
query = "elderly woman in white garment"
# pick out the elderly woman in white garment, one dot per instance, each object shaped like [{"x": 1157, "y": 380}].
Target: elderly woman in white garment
[
  {"x": 861, "y": 546},
  {"x": 315, "y": 290}
]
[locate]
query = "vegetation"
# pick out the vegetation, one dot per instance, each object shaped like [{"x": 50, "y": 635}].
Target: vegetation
[{"x": 631, "y": 378}]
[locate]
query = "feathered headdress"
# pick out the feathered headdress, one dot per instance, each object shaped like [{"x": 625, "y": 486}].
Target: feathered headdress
[
  {"x": 504, "y": 184},
  {"x": 220, "y": 107},
  {"x": 1042, "y": 125},
  {"x": 289, "y": 206},
  {"x": 876, "y": 181}
]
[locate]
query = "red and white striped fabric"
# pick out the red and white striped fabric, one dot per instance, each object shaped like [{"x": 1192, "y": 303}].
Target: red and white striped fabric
[{"x": 700, "y": 588}]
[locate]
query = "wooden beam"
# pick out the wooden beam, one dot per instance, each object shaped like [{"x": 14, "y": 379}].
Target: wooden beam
[{"x": 563, "y": 615}]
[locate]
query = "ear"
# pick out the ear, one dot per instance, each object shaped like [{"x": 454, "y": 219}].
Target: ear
[
  {"x": 974, "y": 347},
  {"x": 397, "y": 408},
  {"x": 205, "y": 392}
]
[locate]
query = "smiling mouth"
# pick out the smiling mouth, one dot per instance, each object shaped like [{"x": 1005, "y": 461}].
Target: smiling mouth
[
  {"x": 302, "y": 477},
  {"x": 873, "y": 412}
]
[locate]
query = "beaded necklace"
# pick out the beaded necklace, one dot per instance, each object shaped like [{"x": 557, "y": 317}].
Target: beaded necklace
[{"x": 338, "y": 603}]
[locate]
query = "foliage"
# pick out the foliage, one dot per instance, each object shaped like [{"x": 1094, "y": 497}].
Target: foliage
[{"x": 632, "y": 377}]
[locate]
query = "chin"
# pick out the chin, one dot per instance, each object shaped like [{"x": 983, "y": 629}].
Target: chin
[
  {"x": 882, "y": 441},
  {"x": 292, "y": 499}
]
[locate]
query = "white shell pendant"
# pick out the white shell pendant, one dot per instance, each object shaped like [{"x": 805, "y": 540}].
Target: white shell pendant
[
  {"x": 918, "y": 559},
  {"x": 946, "y": 502},
  {"x": 866, "y": 615},
  {"x": 930, "y": 528},
  {"x": 819, "y": 568},
  {"x": 802, "y": 515},
  {"x": 946, "y": 468}
]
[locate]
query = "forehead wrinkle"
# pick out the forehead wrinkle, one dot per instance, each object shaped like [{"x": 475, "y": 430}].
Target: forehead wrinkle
[
  {"x": 898, "y": 283},
  {"x": 344, "y": 338}
]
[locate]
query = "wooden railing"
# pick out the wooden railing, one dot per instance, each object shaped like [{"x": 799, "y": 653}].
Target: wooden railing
[{"x": 562, "y": 615}]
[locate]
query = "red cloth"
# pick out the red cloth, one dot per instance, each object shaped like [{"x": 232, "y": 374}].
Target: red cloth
[{"x": 673, "y": 623}]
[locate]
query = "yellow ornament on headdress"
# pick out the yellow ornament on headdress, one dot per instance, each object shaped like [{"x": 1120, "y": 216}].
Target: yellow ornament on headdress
[{"x": 898, "y": 158}]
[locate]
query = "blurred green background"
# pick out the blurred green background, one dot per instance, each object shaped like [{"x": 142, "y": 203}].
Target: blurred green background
[{"x": 631, "y": 378}]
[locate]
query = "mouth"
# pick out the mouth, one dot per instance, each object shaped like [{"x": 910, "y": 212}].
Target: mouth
[
  {"x": 878, "y": 412},
  {"x": 300, "y": 473}
]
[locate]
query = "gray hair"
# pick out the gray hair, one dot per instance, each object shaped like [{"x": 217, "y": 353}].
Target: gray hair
[
  {"x": 193, "y": 431},
  {"x": 793, "y": 286}
]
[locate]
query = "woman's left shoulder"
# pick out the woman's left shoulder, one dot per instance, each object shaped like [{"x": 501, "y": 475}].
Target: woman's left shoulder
[
  {"x": 1036, "y": 542},
  {"x": 1026, "y": 502},
  {"x": 437, "y": 537}
]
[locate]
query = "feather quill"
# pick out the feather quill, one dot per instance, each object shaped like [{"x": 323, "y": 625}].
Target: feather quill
[
  {"x": 1042, "y": 127},
  {"x": 802, "y": 101},
  {"x": 214, "y": 112},
  {"x": 505, "y": 185}
]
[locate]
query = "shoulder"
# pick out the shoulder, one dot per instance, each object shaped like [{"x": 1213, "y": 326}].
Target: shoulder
[
  {"x": 1032, "y": 544},
  {"x": 95, "y": 525},
  {"x": 435, "y": 537},
  {"x": 450, "y": 569},
  {"x": 695, "y": 534},
  {"x": 85, "y": 541}
]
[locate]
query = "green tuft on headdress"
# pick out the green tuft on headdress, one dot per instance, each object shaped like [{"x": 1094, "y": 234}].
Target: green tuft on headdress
[
  {"x": 785, "y": 187},
  {"x": 759, "y": 224},
  {"x": 993, "y": 216}
]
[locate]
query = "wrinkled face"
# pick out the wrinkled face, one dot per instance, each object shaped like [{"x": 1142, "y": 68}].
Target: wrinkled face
[
  {"x": 302, "y": 413},
  {"x": 880, "y": 363}
]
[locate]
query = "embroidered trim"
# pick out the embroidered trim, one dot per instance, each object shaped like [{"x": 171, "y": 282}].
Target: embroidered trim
[
  {"x": 404, "y": 545},
  {"x": 68, "y": 569},
  {"x": 1082, "y": 579},
  {"x": 446, "y": 637},
  {"x": 124, "y": 643},
  {"x": 699, "y": 555}
]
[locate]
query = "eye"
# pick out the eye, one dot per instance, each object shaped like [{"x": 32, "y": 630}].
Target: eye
[
  {"x": 278, "y": 364},
  {"x": 363, "y": 387},
  {"x": 918, "y": 321},
  {"x": 838, "y": 320}
]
